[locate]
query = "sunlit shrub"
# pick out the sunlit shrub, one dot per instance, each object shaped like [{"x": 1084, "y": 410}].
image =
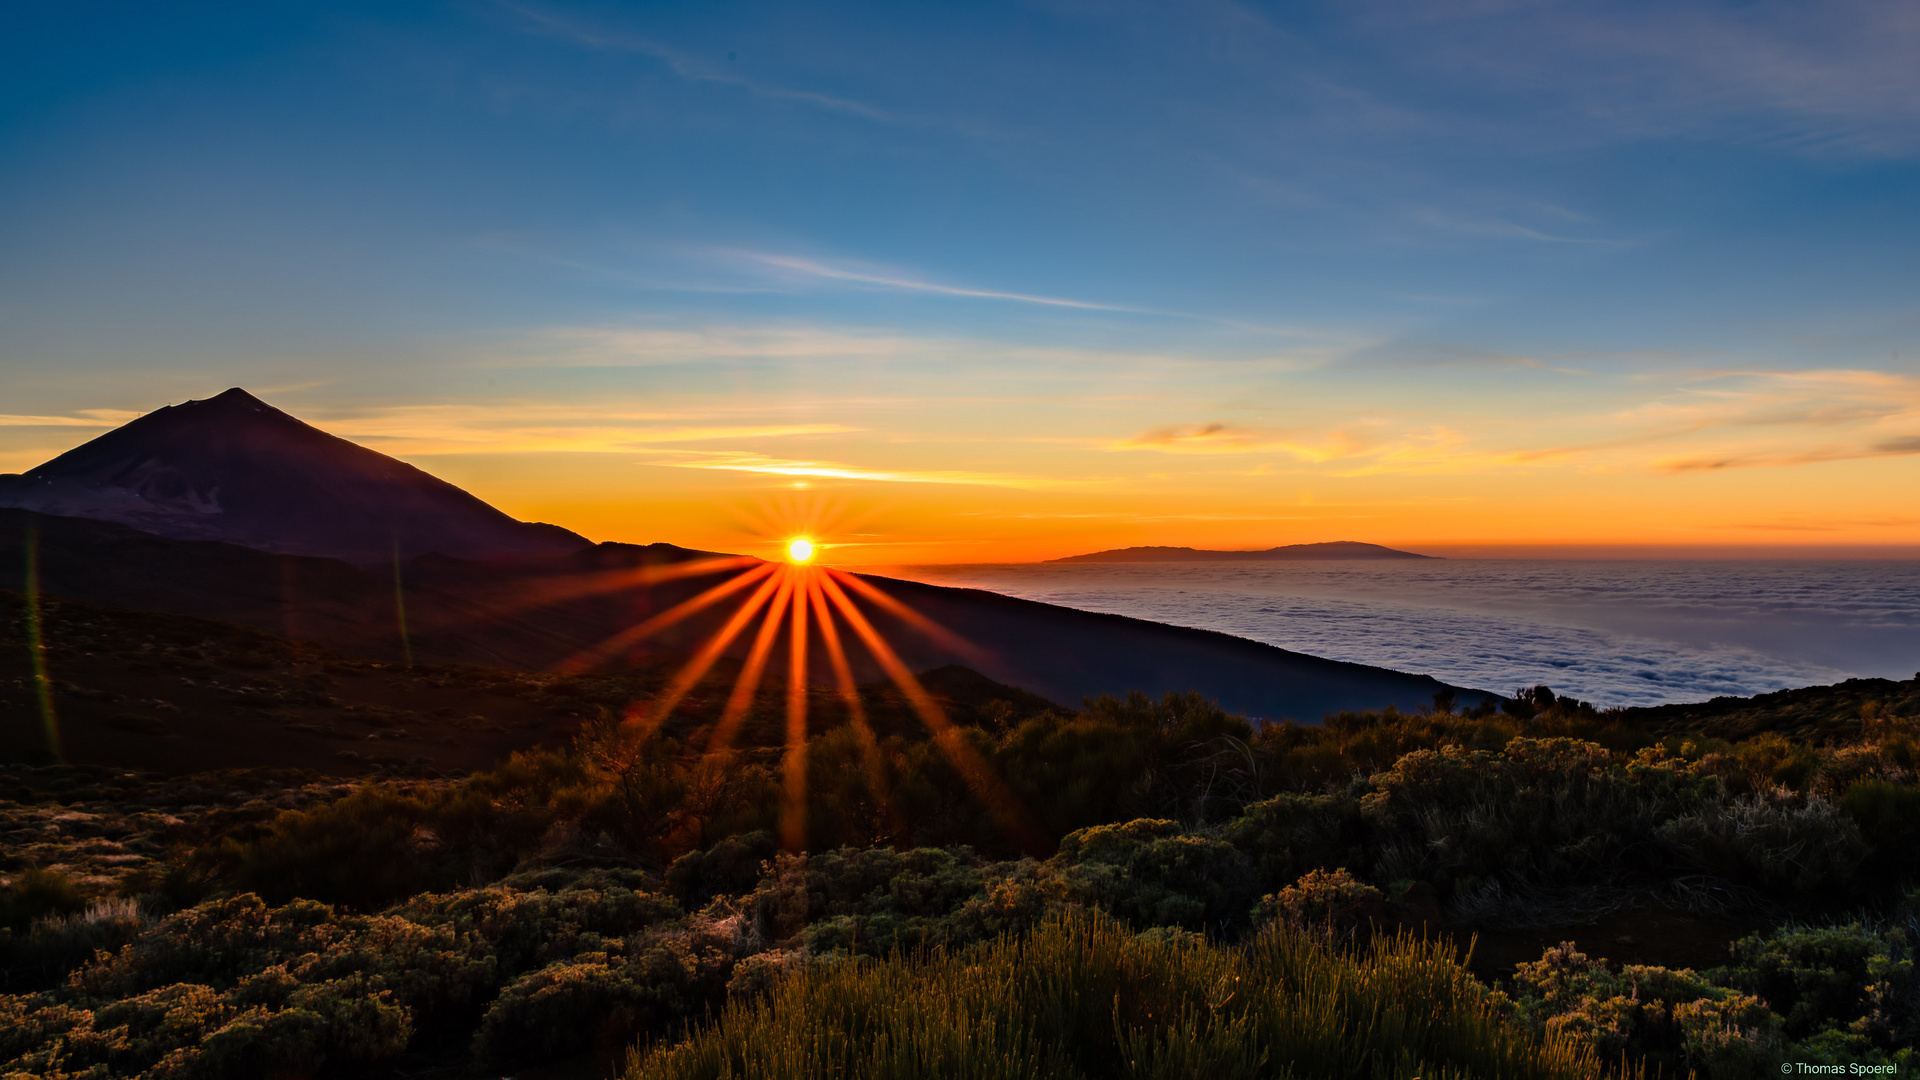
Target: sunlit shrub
[
  {"x": 1082, "y": 996},
  {"x": 756, "y": 976},
  {"x": 1675, "y": 1018},
  {"x": 59, "y": 943},
  {"x": 529, "y": 922},
  {"x": 1330, "y": 905},
  {"x": 36, "y": 894}
]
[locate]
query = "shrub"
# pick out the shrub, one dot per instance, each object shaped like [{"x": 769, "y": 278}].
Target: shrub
[
  {"x": 1671, "y": 1018},
  {"x": 876, "y": 901},
  {"x": 190, "y": 1030},
  {"x": 1888, "y": 816},
  {"x": 1082, "y": 996},
  {"x": 1772, "y": 839},
  {"x": 608, "y": 996},
  {"x": 59, "y": 943},
  {"x": 1288, "y": 835},
  {"x": 757, "y": 975},
  {"x": 1329, "y": 905},
  {"x": 1554, "y": 809},
  {"x": 1849, "y": 978},
  {"x": 36, "y": 894},
  {"x": 236, "y": 988},
  {"x": 525, "y": 924},
  {"x": 1155, "y": 873}
]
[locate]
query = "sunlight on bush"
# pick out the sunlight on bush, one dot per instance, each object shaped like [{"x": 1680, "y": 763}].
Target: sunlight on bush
[{"x": 1083, "y": 997}]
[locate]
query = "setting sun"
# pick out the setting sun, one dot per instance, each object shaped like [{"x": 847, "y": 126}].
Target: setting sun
[{"x": 800, "y": 549}]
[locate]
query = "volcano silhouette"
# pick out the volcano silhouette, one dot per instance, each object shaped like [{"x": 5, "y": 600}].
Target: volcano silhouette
[{"x": 235, "y": 469}]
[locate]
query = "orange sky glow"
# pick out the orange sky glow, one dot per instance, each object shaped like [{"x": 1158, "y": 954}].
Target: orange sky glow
[{"x": 1707, "y": 462}]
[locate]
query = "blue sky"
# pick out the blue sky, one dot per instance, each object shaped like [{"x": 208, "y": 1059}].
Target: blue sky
[{"x": 1169, "y": 273}]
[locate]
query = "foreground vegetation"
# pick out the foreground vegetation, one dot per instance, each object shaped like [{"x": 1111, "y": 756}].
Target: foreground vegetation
[
  {"x": 1231, "y": 900},
  {"x": 1081, "y": 996}
]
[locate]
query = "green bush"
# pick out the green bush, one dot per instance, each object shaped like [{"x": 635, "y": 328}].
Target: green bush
[
  {"x": 1155, "y": 873},
  {"x": 610, "y": 997},
  {"x": 236, "y": 988},
  {"x": 1852, "y": 979},
  {"x": 1554, "y": 810},
  {"x": 528, "y": 921},
  {"x": 190, "y": 1030},
  {"x": 1775, "y": 840},
  {"x": 876, "y": 901},
  {"x": 1289, "y": 835}
]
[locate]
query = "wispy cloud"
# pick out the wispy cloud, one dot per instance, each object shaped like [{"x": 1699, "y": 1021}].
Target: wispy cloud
[
  {"x": 817, "y": 269},
  {"x": 1016, "y": 366},
  {"x": 90, "y": 418},
  {"x": 685, "y": 65},
  {"x": 1499, "y": 228},
  {"x": 1221, "y": 438},
  {"x": 1434, "y": 354},
  {"x": 1890, "y": 448},
  {"x": 1701, "y": 421},
  {"x": 838, "y": 471},
  {"x": 1837, "y": 77},
  {"x": 545, "y": 427}
]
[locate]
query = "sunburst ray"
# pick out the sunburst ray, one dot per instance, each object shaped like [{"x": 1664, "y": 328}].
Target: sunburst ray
[
  {"x": 909, "y": 616},
  {"x": 596, "y": 654},
  {"x": 870, "y": 756},
  {"x": 703, "y": 661},
  {"x": 793, "y": 764},
  {"x": 560, "y": 589},
  {"x": 1000, "y": 802},
  {"x": 740, "y": 701}
]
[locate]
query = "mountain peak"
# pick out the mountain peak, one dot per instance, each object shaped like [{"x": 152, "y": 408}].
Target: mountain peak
[
  {"x": 236, "y": 398},
  {"x": 234, "y": 468}
]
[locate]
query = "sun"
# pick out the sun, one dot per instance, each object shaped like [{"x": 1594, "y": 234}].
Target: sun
[{"x": 800, "y": 549}]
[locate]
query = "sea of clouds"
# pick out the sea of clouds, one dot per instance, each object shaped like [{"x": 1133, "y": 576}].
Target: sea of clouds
[{"x": 1610, "y": 632}]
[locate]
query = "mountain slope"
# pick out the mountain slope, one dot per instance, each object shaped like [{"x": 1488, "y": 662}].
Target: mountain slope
[{"x": 235, "y": 469}]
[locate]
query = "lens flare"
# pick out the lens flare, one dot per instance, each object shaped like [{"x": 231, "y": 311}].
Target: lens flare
[
  {"x": 37, "y": 650},
  {"x": 800, "y": 549}
]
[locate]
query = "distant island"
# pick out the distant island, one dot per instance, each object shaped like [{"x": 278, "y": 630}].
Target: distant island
[{"x": 1337, "y": 549}]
